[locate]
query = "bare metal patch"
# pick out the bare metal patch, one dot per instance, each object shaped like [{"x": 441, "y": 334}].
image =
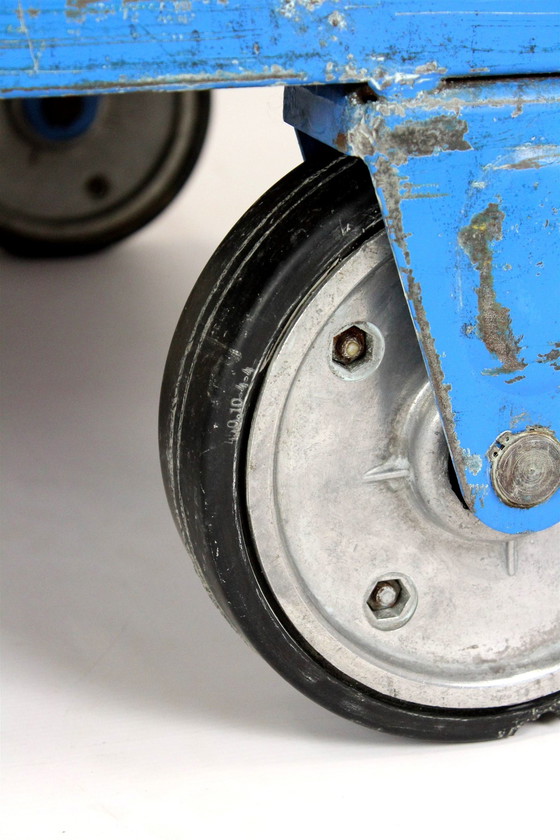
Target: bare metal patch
[
  {"x": 552, "y": 357},
  {"x": 389, "y": 181},
  {"x": 293, "y": 8},
  {"x": 420, "y": 138},
  {"x": 494, "y": 320},
  {"x": 528, "y": 156}
]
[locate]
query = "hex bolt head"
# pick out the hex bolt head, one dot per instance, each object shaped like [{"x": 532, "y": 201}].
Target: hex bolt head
[
  {"x": 349, "y": 346},
  {"x": 391, "y": 602},
  {"x": 525, "y": 467}
]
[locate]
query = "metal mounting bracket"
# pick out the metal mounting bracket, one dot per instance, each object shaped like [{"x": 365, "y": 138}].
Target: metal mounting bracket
[{"x": 468, "y": 179}]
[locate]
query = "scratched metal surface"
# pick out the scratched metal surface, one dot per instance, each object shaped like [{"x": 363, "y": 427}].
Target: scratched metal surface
[
  {"x": 54, "y": 46},
  {"x": 469, "y": 183}
]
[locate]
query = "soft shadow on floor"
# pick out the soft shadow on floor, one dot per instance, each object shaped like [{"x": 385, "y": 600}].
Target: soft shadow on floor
[{"x": 96, "y": 583}]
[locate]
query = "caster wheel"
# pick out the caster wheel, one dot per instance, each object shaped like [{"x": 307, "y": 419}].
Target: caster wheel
[
  {"x": 309, "y": 477},
  {"x": 82, "y": 172}
]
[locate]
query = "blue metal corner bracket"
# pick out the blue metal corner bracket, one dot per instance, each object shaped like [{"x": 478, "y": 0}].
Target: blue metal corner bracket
[{"x": 468, "y": 179}]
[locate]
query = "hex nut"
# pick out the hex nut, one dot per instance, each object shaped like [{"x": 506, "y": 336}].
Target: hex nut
[
  {"x": 386, "y": 595},
  {"x": 386, "y": 613},
  {"x": 350, "y": 346},
  {"x": 356, "y": 350}
]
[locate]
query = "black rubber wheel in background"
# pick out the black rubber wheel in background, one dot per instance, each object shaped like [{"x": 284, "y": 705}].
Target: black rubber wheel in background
[
  {"x": 80, "y": 173},
  {"x": 252, "y": 288}
]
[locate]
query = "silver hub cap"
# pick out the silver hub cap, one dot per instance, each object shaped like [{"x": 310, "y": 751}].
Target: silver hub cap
[{"x": 358, "y": 528}]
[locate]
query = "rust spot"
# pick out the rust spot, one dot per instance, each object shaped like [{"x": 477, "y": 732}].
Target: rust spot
[
  {"x": 494, "y": 320},
  {"x": 337, "y": 20},
  {"x": 552, "y": 357},
  {"x": 414, "y": 138},
  {"x": 77, "y": 8},
  {"x": 528, "y": 163},
  {"x": 341, "y": 142},
  {"x": 80, "y": 5},
  {"x": 364, "y": 93}
]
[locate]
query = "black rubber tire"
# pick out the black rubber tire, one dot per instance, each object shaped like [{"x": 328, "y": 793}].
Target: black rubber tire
[
  {"x": 250, "y": 291},
  {"x": 31, "y": 247}
]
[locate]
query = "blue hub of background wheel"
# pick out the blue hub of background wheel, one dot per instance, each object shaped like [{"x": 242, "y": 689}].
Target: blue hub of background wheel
[{"x": 60, "y": 119}]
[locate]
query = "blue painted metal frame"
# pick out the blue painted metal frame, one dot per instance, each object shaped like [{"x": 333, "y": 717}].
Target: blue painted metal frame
[
  {"x": 468, "y": 179},
  {"x": 54, "y": 46},
  {"x": 466, "y": 173}
]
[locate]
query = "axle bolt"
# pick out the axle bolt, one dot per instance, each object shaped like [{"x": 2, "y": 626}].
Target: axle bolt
[{"x": 525, "y": 467}]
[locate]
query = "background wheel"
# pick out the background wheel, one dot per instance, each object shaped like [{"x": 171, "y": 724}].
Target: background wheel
[
  {"x": 81, "y": 172},
  {"x": 308, "y": 475}
]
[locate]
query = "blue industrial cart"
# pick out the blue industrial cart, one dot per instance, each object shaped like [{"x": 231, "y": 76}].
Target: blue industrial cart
[{"x": 359, "y": 417}]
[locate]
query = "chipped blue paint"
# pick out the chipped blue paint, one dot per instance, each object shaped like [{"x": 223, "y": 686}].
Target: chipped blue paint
[
  {"x": 50, "y": 46},
  {"x": 469, "y": 183}
]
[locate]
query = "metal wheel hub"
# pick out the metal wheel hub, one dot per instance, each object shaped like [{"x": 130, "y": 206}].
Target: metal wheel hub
[
  {"x": 76, "y": 167},
  {"x": 364, "y": 542}
]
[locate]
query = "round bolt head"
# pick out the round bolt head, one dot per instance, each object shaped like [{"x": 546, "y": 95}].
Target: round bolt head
[
  {"x": 351, "y": 348},
  {"x": 386, "y": 594},
  {"x": 525, "y": 467}
]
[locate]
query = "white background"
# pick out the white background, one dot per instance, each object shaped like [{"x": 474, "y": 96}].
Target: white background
[{"x": 130, "y": 708}]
